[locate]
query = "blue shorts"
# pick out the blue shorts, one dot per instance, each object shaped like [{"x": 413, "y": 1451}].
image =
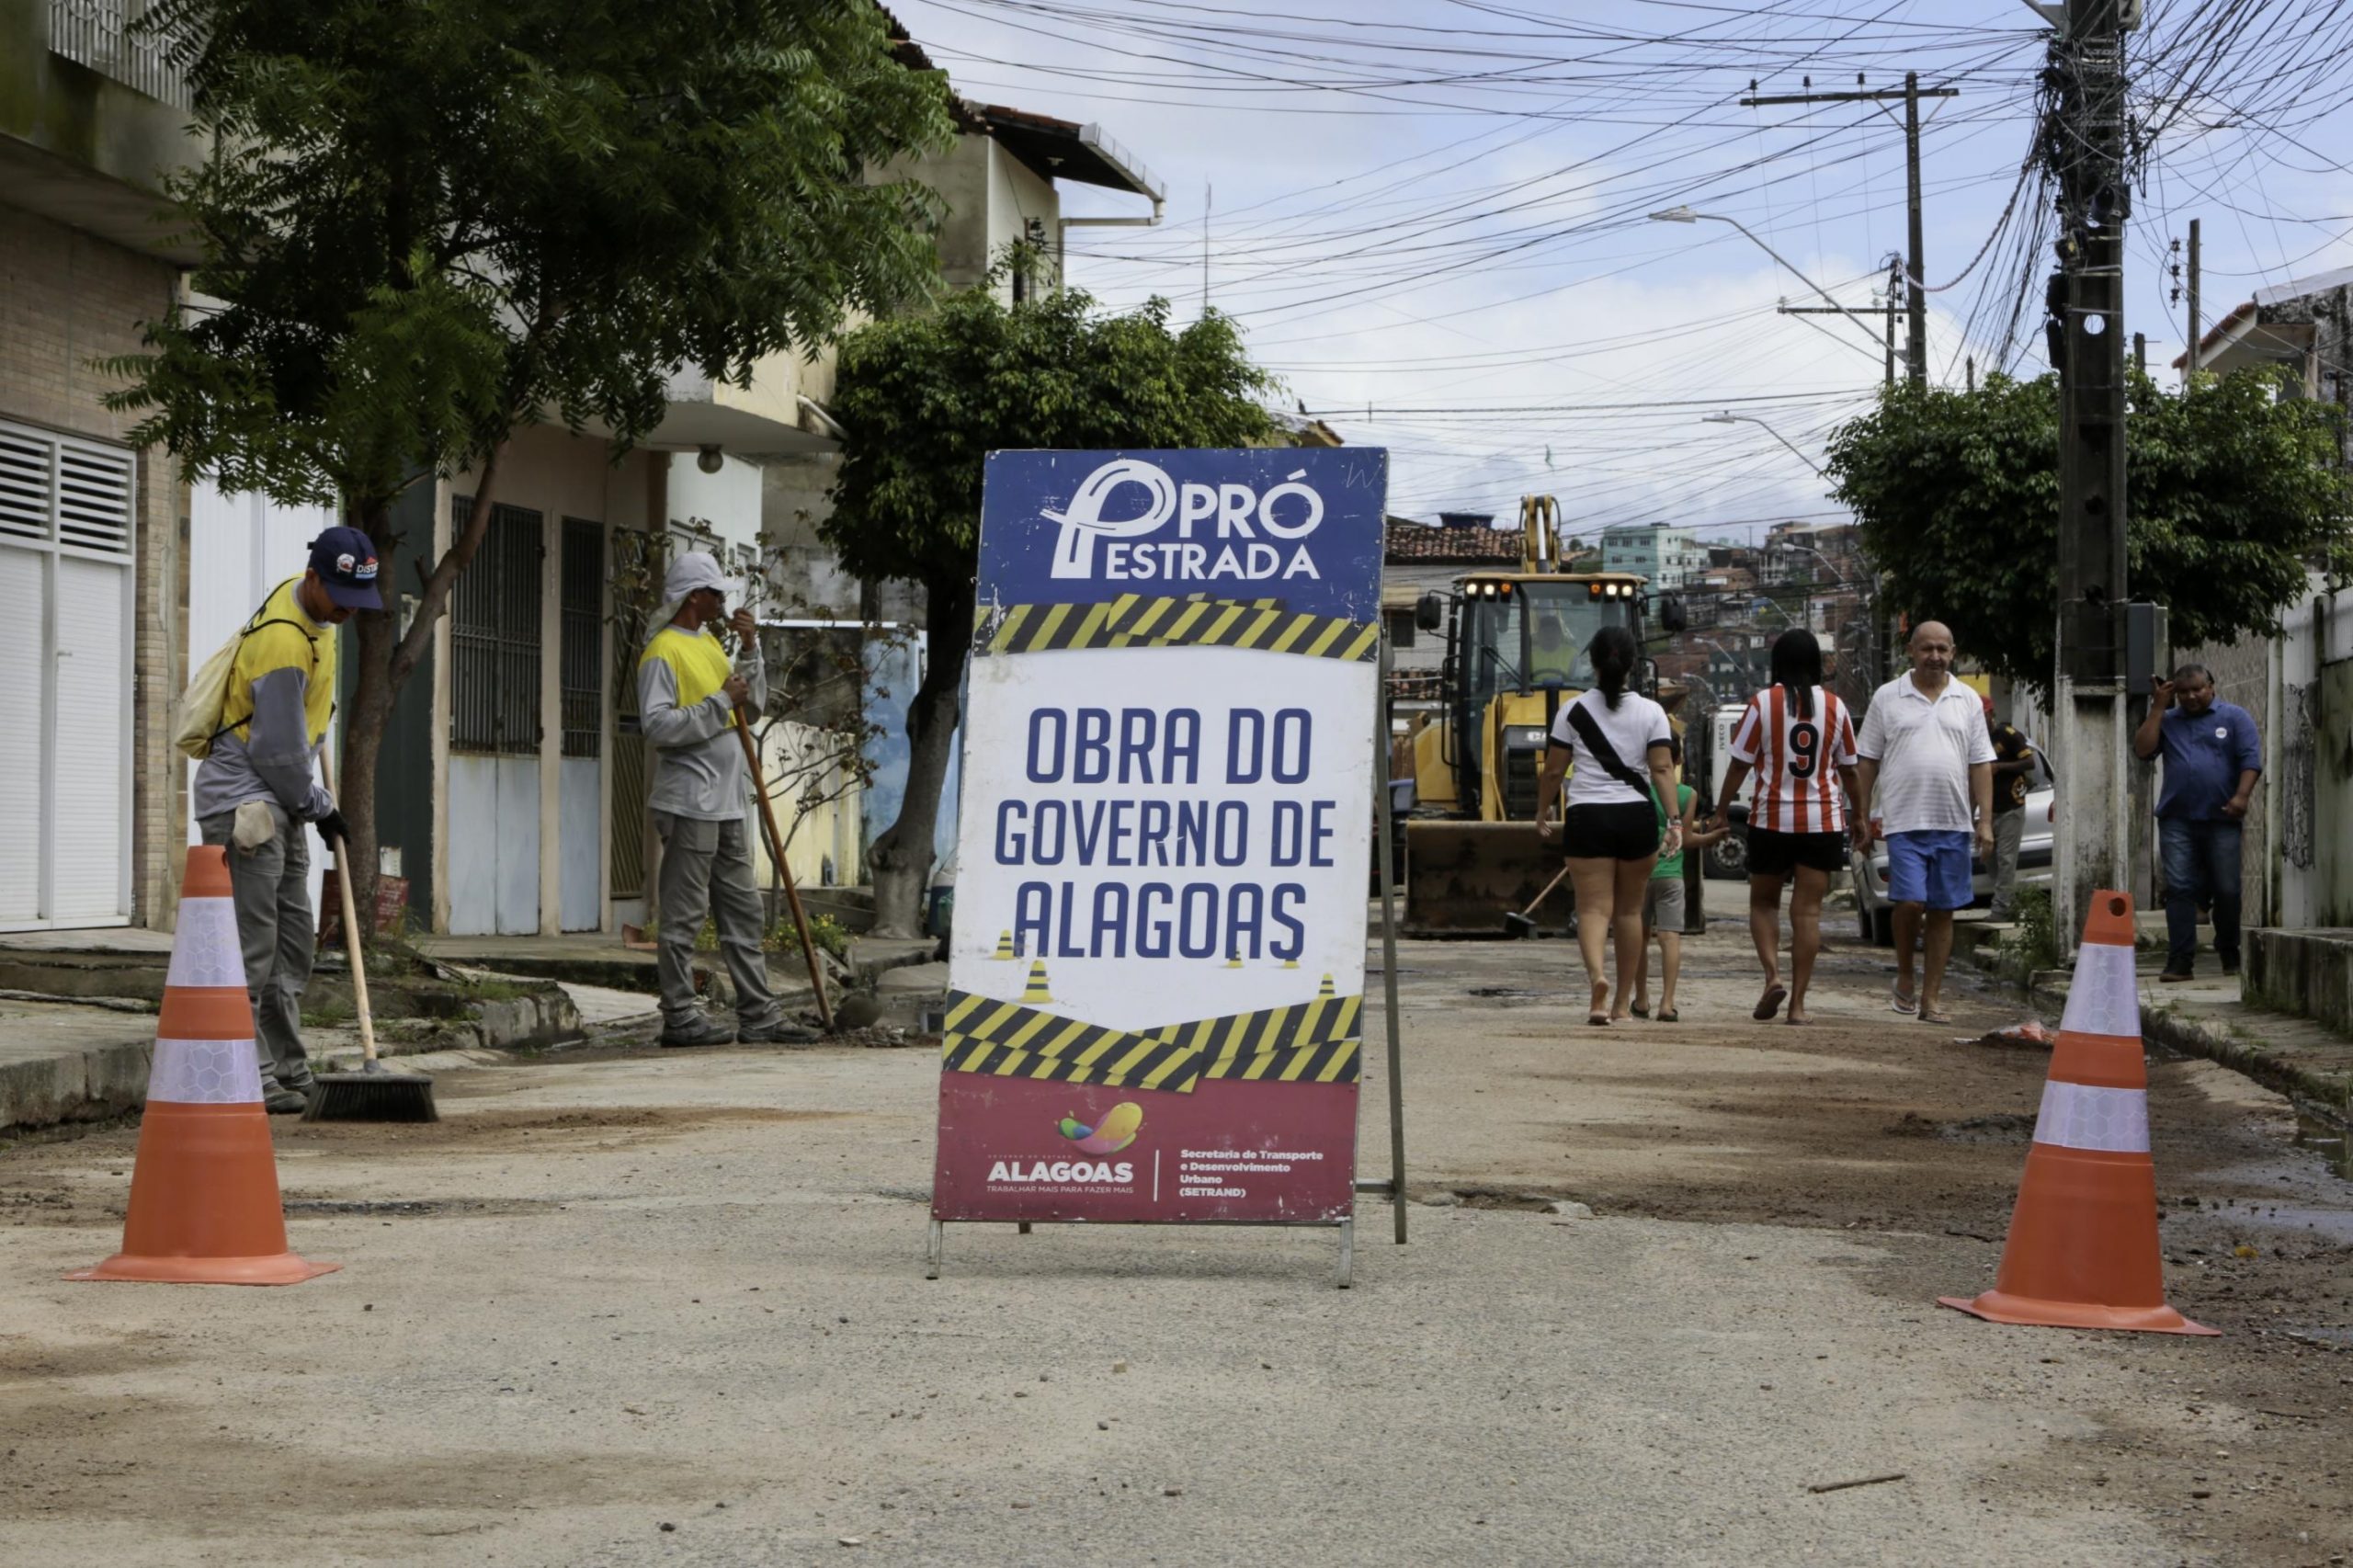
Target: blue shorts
[{"x": 1930, "y": 868}]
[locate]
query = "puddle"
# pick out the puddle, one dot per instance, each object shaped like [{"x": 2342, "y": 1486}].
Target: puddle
[{"x": 2327, "y": 1137}]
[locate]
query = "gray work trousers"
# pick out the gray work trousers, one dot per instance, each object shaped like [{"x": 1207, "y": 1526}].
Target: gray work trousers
[
  {"x": 707, "y": 870},
  {"x": 272, "y": 884},
  {"x": 2009, "y": 827}
]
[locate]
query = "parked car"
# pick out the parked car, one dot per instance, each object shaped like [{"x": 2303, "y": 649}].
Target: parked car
[{"x": 1875, "y": 915}]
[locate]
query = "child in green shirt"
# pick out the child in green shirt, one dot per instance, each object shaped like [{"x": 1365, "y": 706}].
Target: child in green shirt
[{"x": 1662, "y": 906}]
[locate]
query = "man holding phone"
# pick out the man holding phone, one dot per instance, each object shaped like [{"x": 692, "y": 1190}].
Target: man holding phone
[{"x": 2213, "y": 756}]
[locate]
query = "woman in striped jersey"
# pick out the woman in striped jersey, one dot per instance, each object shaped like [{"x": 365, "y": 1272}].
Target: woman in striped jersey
[{"x": 1800, "y": 741}]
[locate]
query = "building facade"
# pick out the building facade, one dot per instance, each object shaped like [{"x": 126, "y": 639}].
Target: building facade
[
  {"x": 1668, "y": 557},
  {"x": 93, "y": 577}
]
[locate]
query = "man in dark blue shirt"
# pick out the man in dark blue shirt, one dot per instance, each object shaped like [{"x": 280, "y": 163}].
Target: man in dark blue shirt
[{"x": 2213, "y": 758}]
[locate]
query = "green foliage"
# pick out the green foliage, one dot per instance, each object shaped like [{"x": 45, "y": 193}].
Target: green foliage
[
  {"x": 424, "y": 223},
  {"x": 925, "y": 398},
  {"x": 2036, "y": 940},
  {"x": 827, "y": 934},
  {"x": 2231, "y": 492}
]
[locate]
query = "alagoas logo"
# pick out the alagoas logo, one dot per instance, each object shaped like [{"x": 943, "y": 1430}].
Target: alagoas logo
[
  {"x": 1114, "y": 1132},
  {"x": 1222, "y": 531},
  {"x": 359, "y": 570}
]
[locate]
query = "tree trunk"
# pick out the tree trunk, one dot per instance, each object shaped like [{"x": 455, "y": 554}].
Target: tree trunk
[
  {"x": 387, "y": 658},
  {"x": 901, "y": 857}
]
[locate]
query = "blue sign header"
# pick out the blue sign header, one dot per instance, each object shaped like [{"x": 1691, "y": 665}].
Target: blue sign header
[{"x": 1299, "y": 525}]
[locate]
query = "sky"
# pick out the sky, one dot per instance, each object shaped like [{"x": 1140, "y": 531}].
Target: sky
[{"x": 1431, "y": 217}]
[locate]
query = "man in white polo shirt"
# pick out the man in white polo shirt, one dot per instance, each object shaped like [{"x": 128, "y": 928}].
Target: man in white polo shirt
[{"x": 1924, "y": 749}]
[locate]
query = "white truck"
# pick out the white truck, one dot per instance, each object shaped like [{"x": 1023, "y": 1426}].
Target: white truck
[{"x": 1728, "y": 857}]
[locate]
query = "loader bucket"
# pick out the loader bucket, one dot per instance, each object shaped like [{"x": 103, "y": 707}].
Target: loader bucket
[{"x": 1462, "y": 877}]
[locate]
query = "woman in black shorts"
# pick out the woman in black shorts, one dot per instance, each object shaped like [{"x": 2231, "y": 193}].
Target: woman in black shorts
[
  {"x": 1799, "y": 739},
  {"x": 1612, "y": 829}
]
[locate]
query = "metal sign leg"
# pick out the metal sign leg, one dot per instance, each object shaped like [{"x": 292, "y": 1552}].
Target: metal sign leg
[
  {"x": 1385, "y": 834},
  {"x": 1347, "y": 1255},
  {"x": 932, "y": 1250}
]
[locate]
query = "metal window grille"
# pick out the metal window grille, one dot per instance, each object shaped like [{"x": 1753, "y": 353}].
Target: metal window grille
[
  {"x": 495, "y": 636},
  {"x": 638, "y": 562},
  {"x": 581, "y": 656},
  {"x": 101, "y": 35}
]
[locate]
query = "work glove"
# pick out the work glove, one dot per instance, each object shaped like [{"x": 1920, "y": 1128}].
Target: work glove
[{"x": 332, "y": 831}]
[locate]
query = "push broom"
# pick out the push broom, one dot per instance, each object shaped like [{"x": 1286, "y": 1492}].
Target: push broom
[{"x": 371, "y": 1094}]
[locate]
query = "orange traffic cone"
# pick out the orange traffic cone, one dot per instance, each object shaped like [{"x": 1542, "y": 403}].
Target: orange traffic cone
[
  {"x": 204, "y": 1205},
  {"x": 2083, "y": 1246}
]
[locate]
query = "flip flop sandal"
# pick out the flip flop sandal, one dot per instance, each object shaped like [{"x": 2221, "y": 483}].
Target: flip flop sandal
[
  {"x": 1931, "y": 1016},
  {"x": 1770, "y": 1003},
  {"x": 1669, "y": 1016},
  {"x": 1599, "y": 1020},
  {"x": 1901, "y": 1003},
  {"x": 1641, "y": 1009}
]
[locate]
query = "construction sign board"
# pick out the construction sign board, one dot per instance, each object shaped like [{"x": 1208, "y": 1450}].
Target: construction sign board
[{"x": 1157, "y": 971}]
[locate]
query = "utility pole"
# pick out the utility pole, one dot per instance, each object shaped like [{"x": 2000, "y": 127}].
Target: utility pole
[
  {"x": 2189, "y": 355},
  {"x": 1916, "y": 299},
  {"x": 2094, "y": 847},
  {"x": 1916, "y": 296},
  {"x": 1890, "y": 321},
  {"x": 1209, "y": 204}
]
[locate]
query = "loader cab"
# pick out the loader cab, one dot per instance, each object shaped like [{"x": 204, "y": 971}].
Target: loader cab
[{"x": 1517, "y": 649}]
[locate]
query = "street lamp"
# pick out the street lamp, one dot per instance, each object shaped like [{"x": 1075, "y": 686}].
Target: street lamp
[
  {"x": 1685, "y": 215},
  {"x": 1728, "y": 418}
]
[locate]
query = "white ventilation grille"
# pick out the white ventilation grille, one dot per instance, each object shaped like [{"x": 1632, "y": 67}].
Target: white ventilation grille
[
  {"x": 94, "y": 498},
  {"x": 27, "y": 480},
  {"x": 56, "y": 490}
]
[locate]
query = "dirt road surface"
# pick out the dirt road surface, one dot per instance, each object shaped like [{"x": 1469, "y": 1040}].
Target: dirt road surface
[{"x": 663, "y": 1308}]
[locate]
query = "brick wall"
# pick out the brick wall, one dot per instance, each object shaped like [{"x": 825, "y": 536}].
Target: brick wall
[{"x": 65, "y": 300}]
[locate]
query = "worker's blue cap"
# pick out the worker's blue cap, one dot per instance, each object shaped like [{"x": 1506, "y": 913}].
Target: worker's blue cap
[{"x": 344, "y": 560}]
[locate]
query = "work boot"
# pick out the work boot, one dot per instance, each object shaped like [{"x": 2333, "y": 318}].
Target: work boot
[
  {"x": 777, "y": 1033},
  {"x": 697, "y": 1031},
  {"x": 280, "y": 1101}
]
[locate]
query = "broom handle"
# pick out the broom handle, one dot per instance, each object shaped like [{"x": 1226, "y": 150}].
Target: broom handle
[
  {"x": 351, "y": 945},
  {"x": 776, "y": 853},
  {"x": 1546, "y": 893}
]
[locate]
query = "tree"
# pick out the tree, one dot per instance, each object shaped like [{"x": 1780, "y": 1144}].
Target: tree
[
  {"x": 925, "y": 399},
  {"x": 2232, "y": 490},
  {"x": 423, "y": 226}
]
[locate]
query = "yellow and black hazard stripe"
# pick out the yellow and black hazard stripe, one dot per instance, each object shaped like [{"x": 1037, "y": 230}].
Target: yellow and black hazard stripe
[
  {"x": 1037, "y": 628},
  {"x": 1139, "y": 622},
  {"x": 1134, "y": 621},
  {"x": 1315, "y": 1061},
  {"x": 1315, "y": 1041},
  {"x": 1121, "y": 1062},
  {"x": 1270, "y": 1029},
  {"x": 1009, "y": 1041}
]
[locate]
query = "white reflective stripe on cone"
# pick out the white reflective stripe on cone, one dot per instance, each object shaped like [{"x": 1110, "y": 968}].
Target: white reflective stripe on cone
[
  {"x": 2102, "y": 998},
  {"x": 2076, "y": 1116},
  {"x": 205, "y": 1071},
  {"x": 205, "y": 950}
]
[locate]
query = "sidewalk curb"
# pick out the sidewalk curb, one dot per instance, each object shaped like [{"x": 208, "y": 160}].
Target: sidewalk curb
[
  {"x": 2171, "y": 1027},
  {"x": 95, "y": 1085},
  {"x": 2166, "y": 1025}
]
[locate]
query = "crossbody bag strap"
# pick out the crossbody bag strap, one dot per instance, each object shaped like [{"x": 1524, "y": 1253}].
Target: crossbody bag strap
[{"x": 1588, "y": 730}]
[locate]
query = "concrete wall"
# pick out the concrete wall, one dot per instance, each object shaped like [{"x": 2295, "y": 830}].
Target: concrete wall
[
  {"x": 2243, "y": 674},
  {"x": 67, "y": 297},
  {"x": 991, "y": 198}
]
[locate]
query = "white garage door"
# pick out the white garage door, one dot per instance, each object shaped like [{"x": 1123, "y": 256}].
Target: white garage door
[{"x": 65, "y": 620}]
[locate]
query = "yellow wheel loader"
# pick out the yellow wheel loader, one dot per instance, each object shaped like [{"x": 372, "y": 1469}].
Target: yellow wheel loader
[{"x": 1515, "y": 651}]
